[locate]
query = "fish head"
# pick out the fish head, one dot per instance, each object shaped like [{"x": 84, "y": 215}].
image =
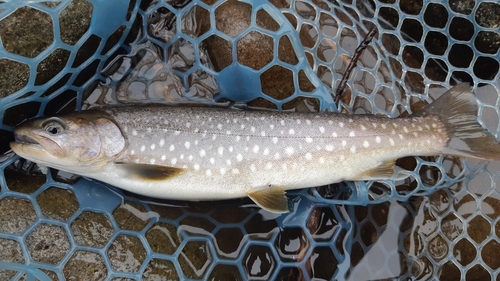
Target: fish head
[{"x": 75, "y": 142}]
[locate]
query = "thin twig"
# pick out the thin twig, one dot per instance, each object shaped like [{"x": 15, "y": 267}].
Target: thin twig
[{"x": 352, "y": 63}]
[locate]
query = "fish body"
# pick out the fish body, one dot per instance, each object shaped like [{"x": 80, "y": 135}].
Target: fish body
[{"x": 211, "y": 154}]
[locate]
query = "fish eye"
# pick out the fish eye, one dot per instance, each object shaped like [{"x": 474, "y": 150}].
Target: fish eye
[{"x": 53, "y": 126}]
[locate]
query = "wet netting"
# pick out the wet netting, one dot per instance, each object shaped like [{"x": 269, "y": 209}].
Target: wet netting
[{"x": 441, "y": 222}]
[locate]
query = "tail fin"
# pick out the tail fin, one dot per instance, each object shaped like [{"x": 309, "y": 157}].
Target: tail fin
[{"x": 457, "y": 109}]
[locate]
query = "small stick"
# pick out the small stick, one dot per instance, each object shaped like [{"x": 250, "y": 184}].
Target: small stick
[{"x": 352, "y": 63}]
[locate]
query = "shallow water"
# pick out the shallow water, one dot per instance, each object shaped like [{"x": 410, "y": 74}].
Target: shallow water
[{"x": 439, "y": 228}]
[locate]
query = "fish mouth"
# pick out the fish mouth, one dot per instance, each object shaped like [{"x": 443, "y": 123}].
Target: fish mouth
[
  {"x": 33, "y": 147},
  {"x": 24, "y": 139}
]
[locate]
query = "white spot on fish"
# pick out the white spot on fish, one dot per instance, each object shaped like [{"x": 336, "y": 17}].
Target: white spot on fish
[
  {"x": 299, "y": 121},
  {"x": 291, "y": 131},
  {"x": 163, "y": 157},
  {"x": 252, "y": 129},
  {"x": 284, "y": 166},
  {"x": 242, "y": 126},
  {"x": 196, "y": 166},
  {"x": 352, "y": 134},
  {"x": 214, "y": 137},
  {"x": 203, "y": 153},
  {"x": 308, "y": 122},
  {"x": 271, "y": 126},
  {"x": 321, "y": 160},
  {"x": 363, "y": 128},
  {"x": 275, "y": 140},
  {"x": 322, "y": 129},
  {"x": 391, "y": 141},
  {"x": 173, "y": 161},
  {"x": 187, "y": 145},
  {"x": 344, "y": 143},
  {"x": 353, "y": 149},
  {"x": 228, "y": 162},
  {"x": 434, "y": 125},
  {"x": 276, "y": 156},
  {"x": 366, "y": 144},
  {"x": 334, "y": 134},
  {"x": 238, "y": 138},
  {"x": 350, "y": 120},
  {"x": 427, "y": 127},
  {"x": 420, "y": 128},
  {"x": 428, "y": 141},
  {"x": 309, "y": 139},
  {"x": 190, "y": 157},
  {"x": 152, "y": 161},
  {"x": 148, "y": 130},
  {"x": 143, "y": 148},
  {"x": 342, "y": 157},
  {"x": 405, "y": 129},
  {"x": 134, "y": 133},
  {"x": 383, "y": 126},
  {"x": 219, "y": 126},
  {"x": 374, "y": 125},
  {"x": 394, "y": 125},
  {"x": 253, "y": 168},
  {"x": 329, "y": 147},
  {"x": 289, "y": 150},
  {"x": 228, "y": 132},
  {"x": 341, "y": 124},
  {"x": 330, "y": 122},
  {"x": 401, "y": 136},
  {"x": 153, "y": 146},
  {"x": 308, "y": 156},
  {"x": 220, "y": 150},
  {"x": 263, "y": 133},
  {"x": 377, "y": 139},
  {"x": 162, "y": 142},
  {"x": 393, "y": 132},
  {"x": 188, "y": 125},
  {"x": 132, "y": 152},
  {"x": 212, "y": 160},
  {"x": 222, "y": 171},
  {"x": 235, "y": 171},
  {"x": 231, "y": 149},
  {"x": 269, "y": 165},
  {"x": 266, "y": 151},
  {"x": 415, "y": 134},
  {"x": 255, "y": 149},
  {"x": 208, "y": 172},
  {"x": 239, "y": 157},
  {"x": 282, "y": 122}
]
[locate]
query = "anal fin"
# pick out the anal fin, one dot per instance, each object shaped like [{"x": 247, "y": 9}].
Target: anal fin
[
  {"x": 271, "y": 199},
  {"x": 148, "y": 172}
]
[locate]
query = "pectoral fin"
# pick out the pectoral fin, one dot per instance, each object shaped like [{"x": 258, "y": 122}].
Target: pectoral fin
[
  {"x": 148, "y": 172},
  {"x": 271, "y": 199}
]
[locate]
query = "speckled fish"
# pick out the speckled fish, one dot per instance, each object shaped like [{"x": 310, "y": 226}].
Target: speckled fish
[{"x": 211, "y": 154}]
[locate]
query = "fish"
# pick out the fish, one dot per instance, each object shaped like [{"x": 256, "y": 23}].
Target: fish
[{"x": 203, "y": 153}]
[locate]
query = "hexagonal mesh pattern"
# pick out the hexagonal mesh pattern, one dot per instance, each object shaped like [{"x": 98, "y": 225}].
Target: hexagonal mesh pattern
[{"x": 280, "y": 54}]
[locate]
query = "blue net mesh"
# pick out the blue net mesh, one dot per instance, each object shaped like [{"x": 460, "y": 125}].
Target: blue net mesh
[{"x": 61, "y": 56}]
